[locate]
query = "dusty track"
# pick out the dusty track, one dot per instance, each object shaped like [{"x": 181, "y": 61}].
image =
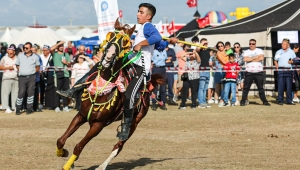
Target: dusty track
[{"x": 251, "y": 137}]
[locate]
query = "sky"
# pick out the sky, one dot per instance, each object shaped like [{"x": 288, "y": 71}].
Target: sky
[{"x": 57, "y": 12}]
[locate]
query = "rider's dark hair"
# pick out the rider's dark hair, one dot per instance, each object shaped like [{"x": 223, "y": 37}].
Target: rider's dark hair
[{"x": 150, "y": 7}]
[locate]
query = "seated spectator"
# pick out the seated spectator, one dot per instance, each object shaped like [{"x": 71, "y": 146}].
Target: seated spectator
[
  {"x": 192, "y": 61},
  {"x": 81, "y": 67},
  {"x": 10, "y": 83},
  {"x": 232, "y": 70}
]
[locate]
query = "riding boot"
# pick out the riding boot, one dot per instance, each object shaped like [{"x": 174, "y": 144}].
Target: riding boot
[
  {"x": 74, "y": 91},
  {"x": 128, "y": 116}
]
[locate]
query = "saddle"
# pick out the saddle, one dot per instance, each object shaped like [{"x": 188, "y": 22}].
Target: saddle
[{"x": 97, "y": 84}]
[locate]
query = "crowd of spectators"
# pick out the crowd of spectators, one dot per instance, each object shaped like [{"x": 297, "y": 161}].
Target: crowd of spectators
[
  {"x": 231, "y": 70},
  {"x": 31, "y": 74}
]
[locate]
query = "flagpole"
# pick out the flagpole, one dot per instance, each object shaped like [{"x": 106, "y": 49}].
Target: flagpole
[{"x": 174, "y": 28}]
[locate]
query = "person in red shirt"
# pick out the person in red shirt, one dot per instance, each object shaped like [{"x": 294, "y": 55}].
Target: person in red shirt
[
  {"x": 71, "y": 50},
  {"x": 232, "y": 71}
]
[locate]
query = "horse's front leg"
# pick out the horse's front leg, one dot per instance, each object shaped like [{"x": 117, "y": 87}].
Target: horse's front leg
[
  {"x": 77, "y": 121},
  {"x": 119, "y": 146},
  {"x": 95, "y": 129}
]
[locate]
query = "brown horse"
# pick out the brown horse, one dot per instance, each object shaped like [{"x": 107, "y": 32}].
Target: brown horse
[{"x": 101, "y": 110}]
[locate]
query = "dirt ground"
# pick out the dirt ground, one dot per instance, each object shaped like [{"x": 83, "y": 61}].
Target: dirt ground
[{"x": 250, "y": 137}]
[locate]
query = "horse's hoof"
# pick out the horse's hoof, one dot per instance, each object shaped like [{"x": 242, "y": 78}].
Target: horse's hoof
[{"x": 66, "y": 153}]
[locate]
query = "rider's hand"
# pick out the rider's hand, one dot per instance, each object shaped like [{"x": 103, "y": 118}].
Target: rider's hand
[
  {"x": 173, "y": 40},
  {"x": 137, "y": 48}
]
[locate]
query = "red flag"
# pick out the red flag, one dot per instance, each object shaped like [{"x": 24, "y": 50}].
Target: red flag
[
  {"x": 191, "y": 3},
  {"x": 120, "y": 13},
  {"x": 203, "y": 22},
  {"x": 171, "y": 27}
]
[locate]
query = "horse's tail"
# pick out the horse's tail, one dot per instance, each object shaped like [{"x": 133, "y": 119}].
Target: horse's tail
[{"x": 157, "y": 79}]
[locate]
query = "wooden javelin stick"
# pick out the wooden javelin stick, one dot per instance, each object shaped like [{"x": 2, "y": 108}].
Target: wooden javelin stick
[{"x": 192, "y": 44}]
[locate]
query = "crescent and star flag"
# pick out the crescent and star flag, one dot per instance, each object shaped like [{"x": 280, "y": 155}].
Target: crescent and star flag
[
  {"x": 171, "y": 27},
  {"x": 192, "y": 3},
  {"x": 107, "y": 13},
  {"x": 203, "y": 22}
]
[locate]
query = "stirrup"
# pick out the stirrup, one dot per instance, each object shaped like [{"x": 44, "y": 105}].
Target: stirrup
[{"x": 124, "y": 133}]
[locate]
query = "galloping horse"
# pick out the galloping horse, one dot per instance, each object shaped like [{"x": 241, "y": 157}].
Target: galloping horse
[{"x": 102, "y": 107}]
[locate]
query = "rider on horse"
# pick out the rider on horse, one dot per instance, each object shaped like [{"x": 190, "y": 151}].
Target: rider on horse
[{"x": 147, "y": 39}]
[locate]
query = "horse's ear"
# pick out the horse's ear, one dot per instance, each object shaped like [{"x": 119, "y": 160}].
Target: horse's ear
[
  {"x": 117, "y": 24},
  {"x": 130, "y": 32}
]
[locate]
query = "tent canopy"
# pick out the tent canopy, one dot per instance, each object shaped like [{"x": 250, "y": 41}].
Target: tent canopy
[
  {"x": 6, "y": 36},
  {"x": 40, "y": 36},
  {"x": 189, "y": 30},
  {"x": 291, "y": 24}
]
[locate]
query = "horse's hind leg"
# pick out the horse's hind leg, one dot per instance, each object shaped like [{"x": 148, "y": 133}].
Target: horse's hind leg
[
  {"x": 95, "y": 129},
  {"x": 119, "y": 146},
  {"x": 77, "y": 121}
]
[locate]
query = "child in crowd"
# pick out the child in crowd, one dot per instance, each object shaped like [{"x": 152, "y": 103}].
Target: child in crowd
[
  {"x": 232, "y": 70},
  {"x": 228, "y": 49},
  {"x": 211, "y": 84}
]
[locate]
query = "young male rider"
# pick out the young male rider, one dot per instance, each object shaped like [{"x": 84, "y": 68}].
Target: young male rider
[{"x": 147, "y": 39}]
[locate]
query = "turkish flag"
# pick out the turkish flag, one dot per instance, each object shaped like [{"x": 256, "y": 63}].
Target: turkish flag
[
  {"x": 191, "y": 3},
  {"x": 203, "y": 22},
  {"x": 171, "y": 27},
  {"x": 120, "y": 13}
]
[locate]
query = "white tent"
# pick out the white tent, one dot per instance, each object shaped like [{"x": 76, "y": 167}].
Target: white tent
[
  {"x": 6, "y": 36},
  {"x": 40, "y": 36},
  {"x": 14, "y": 33},
  {"x": 64, "y": 32},
  {"x": 84, "y": 32}
]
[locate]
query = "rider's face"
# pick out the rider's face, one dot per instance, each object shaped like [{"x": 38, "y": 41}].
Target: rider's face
[{"x": 143, "y": 15}]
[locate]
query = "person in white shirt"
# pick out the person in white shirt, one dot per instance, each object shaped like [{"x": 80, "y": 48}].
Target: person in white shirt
[
  {"x": 9, "y": 80},
  {"x": 254, "y": 72},
  {"x": 82, "y": 65}
]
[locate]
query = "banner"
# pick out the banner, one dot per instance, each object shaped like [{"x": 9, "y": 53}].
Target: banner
[{"x": 107, "y": 12}]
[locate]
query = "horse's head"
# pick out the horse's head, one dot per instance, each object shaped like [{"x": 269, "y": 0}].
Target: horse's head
[{"x": 117, "y": 43}]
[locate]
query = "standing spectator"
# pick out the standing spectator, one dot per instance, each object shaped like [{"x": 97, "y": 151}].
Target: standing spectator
[
  {"x": 239, "y": 58},
  {"x": 283, "y": 60},
  {"x": 159, "y": 66},
  {"x": 170, "y": 75},
  {"x": 81, "y": 51},
  {"x": 61, "y": 77},
  {"x": 71, "y": 50},
  {"x": 192, "y": 61},
  {"x": 28, "y": 64},
  {"x": 254, "y": 72},
  {"x": 36, "y": 107},
  {"x": 3, "y": 50},
  {"x": 296, "y": 85},
  {"x": 232, "y": 70},
  {"x": 221, "y": 60},
  {"x": 211, "y": 84},
  {"x": 47, "y": 59},
  {"x": 195, "y": 40},
  {"x": 181, "y": 67},
  {"x": 177, "y": 86},
  {"x": 81, "y": 67},
  {"x": 204, "y": 75},
  {"x": 9, "y": 80}
]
